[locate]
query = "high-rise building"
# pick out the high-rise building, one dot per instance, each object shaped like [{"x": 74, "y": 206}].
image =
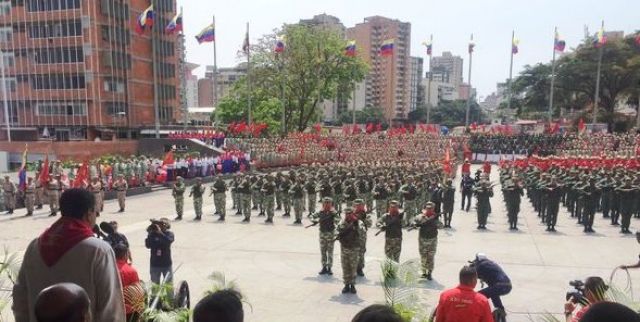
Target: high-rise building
[
  {"x": 449, "y": 67},
  {"x": 417, "y": 90},
  {"x": 75, "y": 70},
  {"x": 191, "y": 85},
  {"x": 388, "y": 84},
  {"x": 227, "y": 77},
  {"x": 325, "y": 21},
  {"x": 205, "y": 92}
]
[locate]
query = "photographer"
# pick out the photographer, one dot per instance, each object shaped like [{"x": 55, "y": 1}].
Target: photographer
[
  {"x": 592, "y": 291},
  {"x": 497, "y": 280},
  {"x": 159, "y": 240}
]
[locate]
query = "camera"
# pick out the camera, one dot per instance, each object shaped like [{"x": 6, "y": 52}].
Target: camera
[{"x": 576, "y": 295}]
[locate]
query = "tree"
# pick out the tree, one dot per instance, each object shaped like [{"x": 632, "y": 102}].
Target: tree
[
  {"x": 312, "y": 68},
  {"x": 367, "y": 115},
  {"x": 452, "y": 114}
]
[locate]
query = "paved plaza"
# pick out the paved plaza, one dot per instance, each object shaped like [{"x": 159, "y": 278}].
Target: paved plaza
[{"x": 276, "y": 265}]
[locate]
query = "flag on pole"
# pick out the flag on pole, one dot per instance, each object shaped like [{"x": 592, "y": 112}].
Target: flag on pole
[
  {"x": 168, "y": 158},
  {"x": 472, "y": 45},
  {"x": 44, "y": 172},
  {"x": 175, "y": 25},
  {"x": 601, "y": 39},
  {"x": 350, "y": 49},
  {"x": 279, "y": 44},
  {"x": 145, "y": 19},
  {"x": 208, "y": 34},
  {"x": 514, "y": 45},
  {"x": 82, "y": 176},
  {"x": 387, "y": 47},
  {"x": 22, "y": 174},
  {"x": 429, "y": 46},
  {"x": 558, "y": 43},
  {"x": 245, "y": 45}
]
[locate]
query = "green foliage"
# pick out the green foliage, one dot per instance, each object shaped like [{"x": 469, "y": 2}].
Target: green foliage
[
  {"x": 452, "y": 114},
  {"x": 9, "y": 266},
  {"x": 366, "y": 115},
  {"x": 313, "y": 68},
  {"x": 399, "y": 283}
]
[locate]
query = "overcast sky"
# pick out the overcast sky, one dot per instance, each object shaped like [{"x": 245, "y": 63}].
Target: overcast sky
[{"x": 450, "y": 21}]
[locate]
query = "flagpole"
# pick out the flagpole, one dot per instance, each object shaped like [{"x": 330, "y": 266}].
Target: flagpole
[
  {"x": 596, "y": 99},
  {"x": 215, "y": 74},
  {"x": 353, "y": 112},
  {"x": 429, "y": 83},
  {"x": 186, "y": 105},
  {"x": 5, "y": 102},
  {"x": 513, "y": 35},
  {"x": 282, "y": 83},
  {"x": 553, "y": 76},
  {"x": 466, "y": 122},
  {"x": 156, "y": 110},
  {"x": 248, "y": 75}
]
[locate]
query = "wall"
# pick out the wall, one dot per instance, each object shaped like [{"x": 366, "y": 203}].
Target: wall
[{"x": 79, "y": 150}]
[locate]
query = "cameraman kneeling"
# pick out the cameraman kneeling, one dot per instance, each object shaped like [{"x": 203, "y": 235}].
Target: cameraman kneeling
[
  {"x": 159, "y": 241},
  {"x": 592, "y": 292}
]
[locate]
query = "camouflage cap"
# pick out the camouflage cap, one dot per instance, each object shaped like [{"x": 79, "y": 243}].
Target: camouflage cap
[
  {"x": 327, "y": 199},
  {"x": 348, "y": 210},
  {"x": 430, "y": 205},
  {"x": 394, "y": 203},
  {"x": 358, "y": 201}
]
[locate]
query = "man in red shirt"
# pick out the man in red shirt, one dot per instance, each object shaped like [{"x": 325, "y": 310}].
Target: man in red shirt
[
  {"x": 132, "y": 289},
  {"x": 463, "y": 303}
]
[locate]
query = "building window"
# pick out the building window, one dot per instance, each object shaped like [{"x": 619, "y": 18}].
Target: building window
[
  {"x": 114, "y": 85},
  {"x": 11, "y": 83},
  {"x": 57, "y": 81},
  {"x": 6, "y": 34},
  {"x": 5, "y": 8},
  {"x": 164, "y": 5},
  {"x": 68, "y": 28},
  {"x": 167, "y": 70},
  {"x": 166, "y": 48},
  {"x": 167, "y": 92},
  {"x": 51, "y": 5},
  {"x": 117, "y": 108},
  {"x": 116, "y": 34},
  {"x": 112, "y": 8},
  {"x": 116, "y": 60},
  {"x": 61, "y": 108},
  {"x": 8, "y": 59},
  {"x": 58, "y": 55},
  {"x": 166, "y": 114}
]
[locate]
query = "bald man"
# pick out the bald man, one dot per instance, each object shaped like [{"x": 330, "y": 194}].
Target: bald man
[{"x": 64, "y": 302}]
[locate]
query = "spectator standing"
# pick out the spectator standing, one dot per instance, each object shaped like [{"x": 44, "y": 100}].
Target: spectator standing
[{"x": 68, "y": 252}]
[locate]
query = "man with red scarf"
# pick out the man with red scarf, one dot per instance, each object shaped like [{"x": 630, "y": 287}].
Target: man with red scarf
[
  {"x": 68, "y": 252},
  {"x": 427, "y": 225},
  {"x": 391, "y": 224},
  {"x": 348, "y": 232}
]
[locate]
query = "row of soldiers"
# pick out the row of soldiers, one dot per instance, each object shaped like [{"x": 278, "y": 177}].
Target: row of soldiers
[{"x": 582, "y": 191}]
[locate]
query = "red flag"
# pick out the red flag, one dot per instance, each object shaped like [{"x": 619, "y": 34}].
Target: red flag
[
  {"x": 82, "y": 175},
  {"x": 44, "y": 173},
  {"x": 379, "y": 127},
  {"x": 581, "y": 126},
  {"x": 474, "y": 126},
  {"x": 345, "y": 129},
  {"x": 317, "y": 128},
  {"x": 168, "y": 158},
  {"x": 556, "y": 128},
  {"x": 369, "y": 128}
]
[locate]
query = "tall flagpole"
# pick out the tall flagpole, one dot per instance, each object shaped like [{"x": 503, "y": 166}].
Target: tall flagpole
[
  {"x": 353, "y": 112},
  {"x": 156, "y": 108},
  {"x": 553, "y": 75},
  {"x": 429, "y": 83},
  {"x": 248, "y": 73},
  {"x": 184, "y": 72},
  {"x": 513, "y": 35},
  {"x": 596, "y": 99},
  {"x": 5, "y": 102},
  {"x": 215, "y": 73},
  {"x": 466, "y": 120}
]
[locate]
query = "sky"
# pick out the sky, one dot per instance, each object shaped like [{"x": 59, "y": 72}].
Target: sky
[{"x": 450, "y": 21}]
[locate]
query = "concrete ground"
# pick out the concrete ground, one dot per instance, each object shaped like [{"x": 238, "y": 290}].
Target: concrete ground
[{"x": 276, "y": 265}]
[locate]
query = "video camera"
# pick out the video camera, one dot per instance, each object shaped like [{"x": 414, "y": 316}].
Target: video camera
[
  {"x": 576, "y": 295},
  {"x": 163, "y": 225}
]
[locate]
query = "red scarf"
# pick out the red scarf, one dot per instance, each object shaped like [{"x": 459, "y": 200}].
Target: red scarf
[{"x": 61, "y": 237}]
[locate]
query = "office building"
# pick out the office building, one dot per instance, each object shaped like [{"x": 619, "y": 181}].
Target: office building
[
  {"x": 417, "y": 90},
  {"x": 448, "y": 68}
]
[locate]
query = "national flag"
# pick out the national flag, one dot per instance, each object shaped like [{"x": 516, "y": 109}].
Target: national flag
[
  {"x": 601, "y": 39},
  {"x": 208, "y": 34},
  {"x": 245, "y": 45},
  {"x": 22, "y": 174},
  {"x": 429, "y": 46},
  {"x": 279, "y": 44},
  {"x": 558, "y": 43},
  {"x": 472, "y": 45},
  {"x": 638, "y": 39},
  {"x": 387, "y": 47},
  {"x": 44, "y": 172},
  {"x": 350, "y": 49},
  {"x": 82, "y": 176},
  {"x": 145, "y": 19},
  {"x": 168, "y": 158},
  {"x": 581, "y": 126},
  {"x": 514, "y": 45},
  {"x": 175, "y": 25}
]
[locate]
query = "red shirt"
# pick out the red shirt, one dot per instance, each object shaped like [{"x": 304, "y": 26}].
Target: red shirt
[
  {"x": 466, "y": 168},
  {"x": 128, "y": 276},
  {"x": 463, "y": 304}
]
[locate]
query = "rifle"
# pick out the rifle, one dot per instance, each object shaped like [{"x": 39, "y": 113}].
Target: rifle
[{"x": 313, "y": 224}]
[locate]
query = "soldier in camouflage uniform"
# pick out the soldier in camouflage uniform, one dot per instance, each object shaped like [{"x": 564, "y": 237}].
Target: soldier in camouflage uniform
[
  {"x": 512, "y": 193},
  {"x": 448, "y": 201},
  {"x": 95, "y": 186},
  {"x": 427, "y": 225},
  {"x": 283, "y": 188},
  {"x": 196, "y": 192},
  {"x": 348, "y": 232},
  {"x": 178, "y": 195},
  {"x": 256, "y": 194},
  {"x": 219, "y": 192},
  {"x": 235, "y": 196},
  {"x": 278, "y": 181},
  {"x": 360, "y": 210},
  {"x": 483, "y": 193},
  {"x": 409, "y": 194},
  {"x": 328, "y": 219},
  {"x": 336, "y": 184},
  {"x": 350, "y": 193},
  {"x": 296, "y": 192},
  {"x": 381, "y": 196},
  {"x": 311, "y": 188},
  {"x": 391, "y": 224},
  {"x": 9, "y": 192},
  {"x": 121, "y": 187},
  {"x": 54, "y": 188},
  {"x": 268, "y": 191},
  {"x": 30, "y": 196},
  {"x": 627, "y": 193},
  {"x": 244, "y": 194}
]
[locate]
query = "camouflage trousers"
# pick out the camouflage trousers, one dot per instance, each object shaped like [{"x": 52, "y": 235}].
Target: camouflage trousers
[
  {"x": 279, "y": 199},
  {"x": 410, "y": 211},
  {"x": 29, "y": 201},
  {"x": 179, "y": 205},
  {"x": 39, "y": 196},
  {"x": 368, "y": 200},
  {"x": 381, "y": 207},
  {"x": 197, "y": 206},
  {"x": 235, "y": 199},
  {"x": 427, "y": 248},
  {"x": 256, "y": 197},
  {"x": 286, "y": 203},
  {"x": 362, "y": 239},
  {"x": 268, "y": 205},
  {"x": 54, "y": 198},
  {"x": 99, "y": 201},
  {"x": 311, "y": 198},
  {"x": 220, "y": 202},
  {"x": 298, "y": 203},
  {"x": 392, "y": 248},
  {"x": 9, "y": 201},
  {"x": 349, "y": 259},
  {"x": 121, "y": 198},
  {"x": 337, "y": 202},
  {"x": 326, "y": 248},
  {"x": 245, "y": 204}
]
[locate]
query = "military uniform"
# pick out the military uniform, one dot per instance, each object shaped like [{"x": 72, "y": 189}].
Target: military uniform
[
  {"x": 627, "y": 194},
  {"x": 310, "y": 188},
  {"x": 178, "y": 195},
  {"x": 54, "y": 188},
  {"x": 512, "y": 194},
  {"x": 30, "y": 196},
  {"x": 392, "y": 226},
  {"x": 427, "y": 226},
  {"x": 296, "y": 192},
  {"x": 283, "y": 188},
  {"x": 268, "y": 190},
  {"x": 336, "y": 184},
  {"x": 409, "y": 194},
  {"x": 196, "y": 192},
  {"x": 365, "y": 223},
  {"x": 553, "y": 193},
  {"x": 219, "y": 191},
  {"x": 256, "y": 195},
  {"x": 39, "y": 196},
  {"x": 244, "y": 192},
  {"x": 466, "y": 188},
  {"x": 328, "y": 220},
  {"x": 350, "y": 194},
  {"x": 349, "y": 253},
  {"x": 9, "y": 193},
  {"x": 483, "y": 193},
  {"x": 121, "y": 187},
  {"x": 381, "y": 196},
  {"x": 448, "y": 200},
  {"x": 95, "y": 186}
]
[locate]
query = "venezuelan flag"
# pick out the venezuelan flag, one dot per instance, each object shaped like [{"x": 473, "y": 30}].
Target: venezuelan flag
[
  {"x": 175, "y": 25},
  {"x": 145, "y": 19},
  {"x": 279, "y": 44},
  {"x": 387, "y": 47},
  {"x": 429, "y": 46},
  {"x": 22, "y": 174},
  {"x": 558, "y": 44},
  {"x": 207, "y": 34},
  {"x": 601, "y": 39},
  {"x": 514, "y": 45},
  {"x": 350, "y": 49}
]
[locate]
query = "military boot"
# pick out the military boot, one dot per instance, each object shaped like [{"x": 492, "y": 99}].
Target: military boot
[
  {"x": 323, "y": 271},
  {"x": 346, "y": 289}
]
